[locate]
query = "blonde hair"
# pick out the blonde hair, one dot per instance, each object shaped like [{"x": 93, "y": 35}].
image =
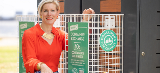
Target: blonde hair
[{"x": 40, "y": 6}]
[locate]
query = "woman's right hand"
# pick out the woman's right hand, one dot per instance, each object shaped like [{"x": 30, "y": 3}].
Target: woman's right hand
[{"x": 45, "y": 69}]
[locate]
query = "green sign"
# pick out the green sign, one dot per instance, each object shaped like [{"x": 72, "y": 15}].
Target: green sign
[
  {"x": 108, "y": 40},
  {"x": 78, "y": 47},
  {"x": 22, "y": 27}
]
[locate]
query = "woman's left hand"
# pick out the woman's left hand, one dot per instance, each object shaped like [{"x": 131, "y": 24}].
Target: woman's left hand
[{"x": 88, "y": 11}]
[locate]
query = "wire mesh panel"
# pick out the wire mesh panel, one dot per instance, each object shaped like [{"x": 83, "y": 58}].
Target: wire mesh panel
[{"x": 99, "y": 61}]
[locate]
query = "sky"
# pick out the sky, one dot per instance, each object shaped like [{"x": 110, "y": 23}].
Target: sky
[{"x": 8, "y": 8}]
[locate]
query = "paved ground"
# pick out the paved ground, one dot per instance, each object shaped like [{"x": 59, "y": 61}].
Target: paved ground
[{"x": 9, "y": 41}]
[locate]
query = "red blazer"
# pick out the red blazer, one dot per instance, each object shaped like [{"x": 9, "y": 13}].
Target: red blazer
[{"x": 35, "y": 49}]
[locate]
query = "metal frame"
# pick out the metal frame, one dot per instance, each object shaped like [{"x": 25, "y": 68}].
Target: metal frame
[{"x": 99, "y": 61}]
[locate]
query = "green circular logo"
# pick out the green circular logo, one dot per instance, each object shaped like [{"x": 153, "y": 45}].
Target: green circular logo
[{"x": 108, "y": 40}]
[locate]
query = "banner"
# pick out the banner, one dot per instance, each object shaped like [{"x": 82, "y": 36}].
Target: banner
[
  {"x": 78, "y": 47},
  {"x": 22, "y": 27}
]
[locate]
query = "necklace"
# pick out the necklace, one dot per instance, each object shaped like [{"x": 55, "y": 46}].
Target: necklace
[{"x": 48, "y": 36}]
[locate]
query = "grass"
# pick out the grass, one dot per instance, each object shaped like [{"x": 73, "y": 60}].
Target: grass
[{"x": 8, "y": 59}]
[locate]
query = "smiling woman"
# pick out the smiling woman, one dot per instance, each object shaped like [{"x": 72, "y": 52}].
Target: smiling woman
[
  {"x": 49, "y": 14},
  {"x": 42, "y": 44},
  {"x": 44, "y": 36}
]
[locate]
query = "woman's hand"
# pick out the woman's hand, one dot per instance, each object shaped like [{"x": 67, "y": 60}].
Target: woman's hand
[
  {"x": 88, "y": 11},
  {"x": 45, "y": 69}
]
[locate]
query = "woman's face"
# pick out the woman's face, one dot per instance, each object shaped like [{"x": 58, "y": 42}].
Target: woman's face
[{"x": 49, "y": 13}]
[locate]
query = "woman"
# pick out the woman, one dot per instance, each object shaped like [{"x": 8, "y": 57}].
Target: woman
[{"x": 43, "y": 43}]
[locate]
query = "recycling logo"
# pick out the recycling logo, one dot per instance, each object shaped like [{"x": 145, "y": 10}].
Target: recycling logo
[{"x": 108, "y": 40}]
